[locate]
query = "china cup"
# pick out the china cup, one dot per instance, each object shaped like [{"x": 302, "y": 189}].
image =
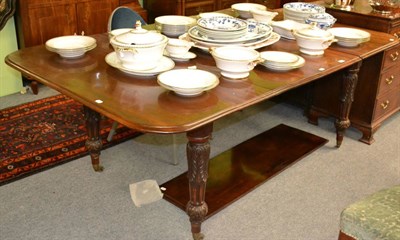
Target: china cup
[{"x": 178, "y": 47}]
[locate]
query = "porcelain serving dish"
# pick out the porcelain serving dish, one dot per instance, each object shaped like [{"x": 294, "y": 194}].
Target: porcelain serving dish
[
  {"x": 188, "y": 82},
  {"x": 139, "y": 49},
  {"x": 72, "y": 46},
  {"x": 321, "y": 20},
  {"x": 285, "y": 27},
  {"x": 243, "y": 9},
  {"x": 350, "y": 37},
  {"x": 312, "y": 40},
  {"x": 235, "y": 62},
  {"x": 263, "y": 16},
  {"x": 300, "y": 11}
]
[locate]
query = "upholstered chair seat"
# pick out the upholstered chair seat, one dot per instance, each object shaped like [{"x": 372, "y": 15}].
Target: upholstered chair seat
[{"x": 373, "y": 218}]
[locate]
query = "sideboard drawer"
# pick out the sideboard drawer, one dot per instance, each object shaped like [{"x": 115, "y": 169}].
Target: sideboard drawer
[
  {"x": 389, "y": 80},
  {"x": 194, "y": 8},
  {"x": 386, "y": 103},
  {"x": 392, "y": 57}
]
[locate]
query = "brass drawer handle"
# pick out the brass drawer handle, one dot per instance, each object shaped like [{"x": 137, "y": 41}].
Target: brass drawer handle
[
  {"x": 199, "y": 9},
  {"x": 389, "y": 80},
  {"x": 397, "y": 35},
  {"x": 385, "y": 104},
  {"x": 394, "y": 56}
]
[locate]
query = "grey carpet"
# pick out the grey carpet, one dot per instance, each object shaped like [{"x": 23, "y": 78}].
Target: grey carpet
[{"x": 304, "y": 202}]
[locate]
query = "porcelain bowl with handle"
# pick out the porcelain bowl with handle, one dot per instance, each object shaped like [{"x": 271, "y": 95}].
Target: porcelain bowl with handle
[
  {"x": 235, "y": 62},
  {"x": 263, "y": 16},
  {"x": 313, "y": 41},
  {"x": 243, "y": 9},
  {"x": 178, "y": 47}
]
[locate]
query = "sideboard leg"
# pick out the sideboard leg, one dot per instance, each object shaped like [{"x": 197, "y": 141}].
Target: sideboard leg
[
  {"x": 93, "y": 143},
  {"x": 349, "y": 84},
  {"x": 198, "y": 156}
]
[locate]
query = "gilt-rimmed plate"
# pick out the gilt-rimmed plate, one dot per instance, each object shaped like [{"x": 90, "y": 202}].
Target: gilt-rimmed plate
[
  {"x": 164, "y": 64},
  {"x": 254, "y": 31}
]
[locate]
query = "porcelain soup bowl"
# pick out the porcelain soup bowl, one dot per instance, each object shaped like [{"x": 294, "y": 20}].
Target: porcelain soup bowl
[
  {"x": 313, "y": 41},
  {"x": 139, "y": 49},
  {"x": 235, "y": 62},
  {"x": 263, "y": 16}
]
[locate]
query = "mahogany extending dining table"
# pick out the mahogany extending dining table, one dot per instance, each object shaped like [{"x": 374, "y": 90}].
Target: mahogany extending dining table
[{"x": 141, "y": 104}]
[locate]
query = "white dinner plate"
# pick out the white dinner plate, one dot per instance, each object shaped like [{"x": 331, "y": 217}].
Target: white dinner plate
[
  {"x": 279, "y": 57},
  {"x": 273, "y": 38},
  {"x": 165, "y": 64},
  {"x": 288, "y": 67}
]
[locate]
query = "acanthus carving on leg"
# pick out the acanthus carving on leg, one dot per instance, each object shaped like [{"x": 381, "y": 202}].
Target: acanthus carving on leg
[
  {"x": 198, "y": 154},
  {"x": 93, "y": 143},
  {"x": 349, "y": 84}
]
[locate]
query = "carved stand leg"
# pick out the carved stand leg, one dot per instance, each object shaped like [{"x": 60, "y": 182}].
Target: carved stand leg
[
  {"x": 198, "y": 155},
  {"x": 349, "y": 84},
  {"x": 93, "y": 143}
]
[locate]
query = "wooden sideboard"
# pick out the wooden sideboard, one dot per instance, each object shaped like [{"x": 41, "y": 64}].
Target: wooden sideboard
[
  {"x": 157, "y": 8},
  {"x": 377, "y": 96},
  {"x": 40, "y": 20}
]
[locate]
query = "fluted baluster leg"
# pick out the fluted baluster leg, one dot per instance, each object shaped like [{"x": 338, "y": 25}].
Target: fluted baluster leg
[
  {"x": 198, "y": 156},
  {"x": 349, "y": 84},
  {"x": 93, "y": 143}
]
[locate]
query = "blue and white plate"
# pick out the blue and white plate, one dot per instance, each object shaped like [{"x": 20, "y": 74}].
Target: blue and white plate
[{"x": 222, "y": 24}]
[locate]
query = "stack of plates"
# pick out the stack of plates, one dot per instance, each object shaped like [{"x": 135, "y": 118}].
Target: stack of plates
[
  {"x": 221, "y": 27},
  {"x": 300, "y": 11},
  {"x": 71, "y": 46},
  {"x": 350, "y": 37},
  {"x": 174, "y": 25},
  {"x": 281, "y": 61},
  {"x": 258, "y": 35}
]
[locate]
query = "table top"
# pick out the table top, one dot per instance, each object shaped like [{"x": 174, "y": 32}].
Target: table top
[{"x": 140, "y": 103}]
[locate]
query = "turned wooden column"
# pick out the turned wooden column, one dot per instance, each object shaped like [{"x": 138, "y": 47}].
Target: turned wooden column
[
  {"x": 198, "y": 156},
  {"x": 349, "y": 84},
  {"x": 93, "y": 143}
]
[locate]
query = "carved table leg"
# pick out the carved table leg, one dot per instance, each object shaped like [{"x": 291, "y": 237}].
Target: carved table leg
[
  {"x": 93, "y": 143},
  {"x": 349, "y": 84},
  {"x": 198, "y": 155}
]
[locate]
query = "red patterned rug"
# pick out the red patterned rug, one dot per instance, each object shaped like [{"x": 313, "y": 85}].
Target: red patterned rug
[{"x": 42, "y": 134}]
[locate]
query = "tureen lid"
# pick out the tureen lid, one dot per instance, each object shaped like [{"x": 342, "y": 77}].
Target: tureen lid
[
  {"x": 139, "y": 36},
  {"x": 313, "y": 32}
]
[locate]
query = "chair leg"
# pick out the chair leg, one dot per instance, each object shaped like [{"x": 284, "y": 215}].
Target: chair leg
[
  {"x": 175, "y": 160},
  {"x": 344, "y": 236},
  {"x": 174, "y": 151},
  {"x": 112, "y": 131}
]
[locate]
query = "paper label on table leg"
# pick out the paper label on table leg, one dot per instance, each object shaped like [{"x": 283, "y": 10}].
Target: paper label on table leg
[{"x": 145, "y": 192}]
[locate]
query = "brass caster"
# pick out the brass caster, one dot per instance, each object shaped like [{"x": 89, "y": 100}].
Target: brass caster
[
  {"x": 198, "y": 236},
  {"x": 98, "y": 167}
]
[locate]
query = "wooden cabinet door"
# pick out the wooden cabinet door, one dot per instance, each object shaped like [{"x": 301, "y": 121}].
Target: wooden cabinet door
[
  {"x": 43, "y": 22},
  {"x": 92, "y": 16}
]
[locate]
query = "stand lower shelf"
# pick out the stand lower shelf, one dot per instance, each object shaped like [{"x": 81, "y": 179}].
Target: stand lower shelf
[{"x": 239, "y": 170}]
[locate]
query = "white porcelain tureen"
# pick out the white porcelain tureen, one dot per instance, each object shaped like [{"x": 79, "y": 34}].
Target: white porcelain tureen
[
  {"x": 313, "y": 40},
  {"x": 139, "y": 49}
]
